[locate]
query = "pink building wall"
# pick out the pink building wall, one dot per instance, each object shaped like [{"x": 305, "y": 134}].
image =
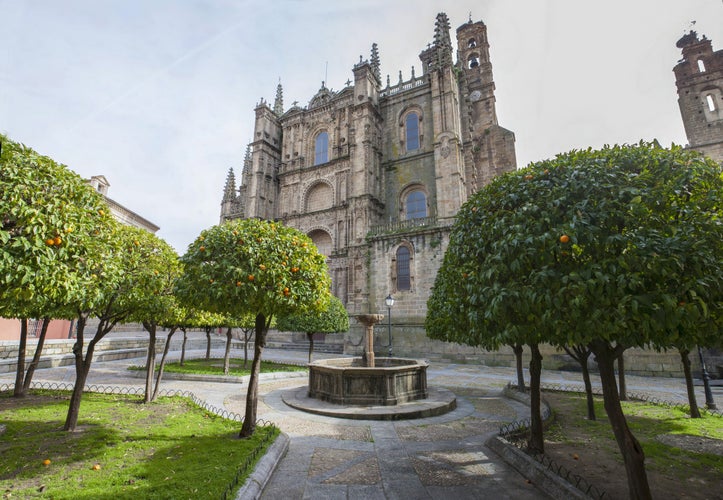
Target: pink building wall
[{"x": 10, "y": 329}]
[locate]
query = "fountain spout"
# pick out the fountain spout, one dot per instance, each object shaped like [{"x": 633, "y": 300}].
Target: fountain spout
[{"x": 369, "y": 320}]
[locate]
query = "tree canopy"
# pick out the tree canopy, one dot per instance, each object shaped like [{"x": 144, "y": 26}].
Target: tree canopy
[
  {"x": 622, "y": 244},
  {"x": 52, "y": 234},
  {"x": 254, "y": 266}
]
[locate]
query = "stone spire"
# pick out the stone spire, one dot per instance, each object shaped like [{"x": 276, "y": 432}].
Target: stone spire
[
  {"x": 247, "y": 162},
  {"x": 229, "y": 191},
  {"x": 442, "y": 40},
  {"x": 279, "y": 101},
  {"x": 375, "y": 62}
]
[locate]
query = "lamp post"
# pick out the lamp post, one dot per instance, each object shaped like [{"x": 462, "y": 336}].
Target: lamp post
[
  {"x": 709, "y": 403},
  {"x": 390, "y": 302}
]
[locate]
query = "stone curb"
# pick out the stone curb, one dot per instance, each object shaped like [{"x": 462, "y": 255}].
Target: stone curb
[
  {"x": 256, "y": 482},
  {"x": 546, "y": 480},
  {"x": 543, "y": 478}
]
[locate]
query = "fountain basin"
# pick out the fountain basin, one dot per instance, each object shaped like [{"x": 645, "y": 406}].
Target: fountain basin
[{"x": 346, "y": 381}]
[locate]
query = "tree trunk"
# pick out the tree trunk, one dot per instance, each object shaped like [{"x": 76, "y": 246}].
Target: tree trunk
[
  {"x": 36, "y": 357},
  {"x": 183, "y": 347},
  {"x": 163, "y": 362},
  {"x": 227, "y": 353},
  {"x": 517, "y": 349},
  {"x": 208, "y": 342},
  {"x": 249, "y": 425},
  {"x": 19, "y": 391},
  {"x": 581, "y": 354},
  {"x": 536, "y": 443},
  {"x": 630, "y": 448},
  {"x": 694, "y": 411},
  {"x": 621, "y": 378},
  {"x": 311, "y": 344},
  {"x": 588, "y": 390},
  {"x": 81, "y": 374},
  {"x": 150, "y": 360}
]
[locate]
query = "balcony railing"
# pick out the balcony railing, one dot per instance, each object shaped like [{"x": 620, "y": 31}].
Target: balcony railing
[{"x": 403, "y": 225}]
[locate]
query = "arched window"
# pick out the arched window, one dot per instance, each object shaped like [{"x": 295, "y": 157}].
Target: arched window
[
  {"x": 404, "y": 279},
  {"x": 472, "y": 43},
  {"x": 473, "y": 61},
  {"x": 321, "y": 148},
  {"x": 415, "y": 206},
  {"x": 711, "y": 102},
  {"x": 319, "y": 197},
  {"x": 322, "y": 240},
  {"x": 701, "y": 66},
  {"x": 411, "y": 124}
]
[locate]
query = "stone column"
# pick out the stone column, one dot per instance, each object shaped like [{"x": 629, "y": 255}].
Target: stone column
[{"x": 369, "y": 320}]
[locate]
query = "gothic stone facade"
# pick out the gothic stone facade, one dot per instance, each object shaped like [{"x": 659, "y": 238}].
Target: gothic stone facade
[
  {"x": 375, "y": 173},
  {"x": 699, "y": 78}
]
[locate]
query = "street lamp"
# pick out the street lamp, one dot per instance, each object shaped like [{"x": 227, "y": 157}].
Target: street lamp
[
  {"x": 709, "y": 403},
  {"x": 390, "y": 302}
]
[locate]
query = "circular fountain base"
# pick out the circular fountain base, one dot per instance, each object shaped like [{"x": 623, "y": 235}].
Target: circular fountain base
[
  {"x": 438, "y": 402},
  {"x": 347, "y": 381}
]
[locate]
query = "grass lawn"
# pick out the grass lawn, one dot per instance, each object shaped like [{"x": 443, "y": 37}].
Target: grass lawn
[
  {"x": 683, "y": 455},
  {"x": 122, "y": 448},
  {"x": 214, "y": 366}
]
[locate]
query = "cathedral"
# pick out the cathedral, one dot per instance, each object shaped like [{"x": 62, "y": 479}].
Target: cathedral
[{"x": 375, "y": 173}]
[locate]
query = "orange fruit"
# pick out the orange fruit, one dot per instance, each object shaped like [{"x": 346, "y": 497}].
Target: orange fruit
[
  {"x": 211, "y": 280},
  {"x": 101, "y": 213},
  {"x": 528, "y": 177},
  {"x": 58, "y": 240},
  {"x": 564, "y": 238},
  {"x": 50, "y": 242},
  {"x": 136, "y": 243},
  {"x": 251, "y": 277},
  {"x": 96, "y": 467},
  {"x": 46, "y": 462},
  {"x": 238, "y": 283},
  {"x": 262, "y": 267},
  {"x": 202, "y": 249}
]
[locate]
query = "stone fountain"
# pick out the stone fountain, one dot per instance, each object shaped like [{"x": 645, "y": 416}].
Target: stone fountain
[{"x": 365, "y": 380}]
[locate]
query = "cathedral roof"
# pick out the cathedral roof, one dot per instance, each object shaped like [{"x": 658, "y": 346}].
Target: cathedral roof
[{"x": 323, "y": 96}]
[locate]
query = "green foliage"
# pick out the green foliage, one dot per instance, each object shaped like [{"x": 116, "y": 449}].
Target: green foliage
[
  {"x": 622, "y": 245},
  {"x": 334, "y": 319},
  {"x": 151, "y": 270},
  {"x": 254, "y": 267},
  {"x": 142, "y": 451},
  {"x": 54, "y": 231}
]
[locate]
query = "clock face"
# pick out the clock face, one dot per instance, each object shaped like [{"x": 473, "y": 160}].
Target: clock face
[{"x": 475, "y": 96}]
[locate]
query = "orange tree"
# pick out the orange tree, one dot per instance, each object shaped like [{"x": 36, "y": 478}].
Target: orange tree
[
  {"x": 53, "y": 239},
  {"x": 132, "y": 280},
  {"x": 333, "y": 319},
  {"x": 153, "y": 268},
  {"x": 257, "y": 267},
  {"x": 611, "y": 249}
]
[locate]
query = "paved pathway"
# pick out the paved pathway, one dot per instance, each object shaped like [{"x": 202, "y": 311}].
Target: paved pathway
[{"x": 437, "y": 457}]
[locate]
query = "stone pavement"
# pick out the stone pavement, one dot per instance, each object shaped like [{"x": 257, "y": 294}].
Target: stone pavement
[{"x": 328, "y": 458}]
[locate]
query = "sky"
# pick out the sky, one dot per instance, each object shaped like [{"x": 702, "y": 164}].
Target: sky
[{"x": 159, "y": 95}]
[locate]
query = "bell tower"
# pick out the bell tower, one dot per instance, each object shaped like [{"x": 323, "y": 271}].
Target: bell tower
[
  {"x": 699, "y": 78},
  {"x": 488, "y": 148}
]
